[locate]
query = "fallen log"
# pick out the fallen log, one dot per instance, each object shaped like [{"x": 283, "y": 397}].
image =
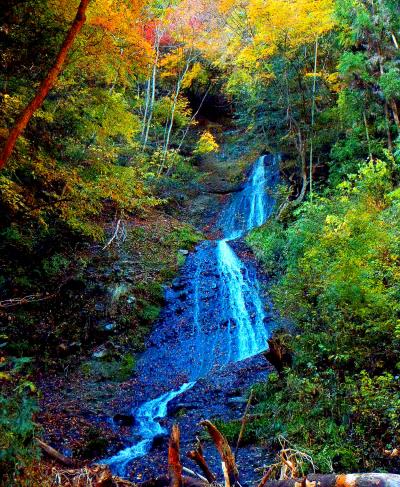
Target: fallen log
[
  {"x": 54, "y": 454},
  {"x": 345, "y": 480}
]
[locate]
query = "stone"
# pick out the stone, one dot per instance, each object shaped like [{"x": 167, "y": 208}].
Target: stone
[
  {"x": 109, "y": 326},
  {"x": 160, "y": 441},
  {"x": 183, "y": 295},
  {"x": 124, "y": 419},
  {"x": 236, "y": 401},
  {"x": 178, "y": 285},
  {"x": 183, "y": 252},
  {"x": 100, "y": 353},
  {"x": 174, "y": 407}
]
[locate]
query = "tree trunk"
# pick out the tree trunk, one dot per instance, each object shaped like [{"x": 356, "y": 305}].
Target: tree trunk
[
  {"x": 395, "y": 111},
  {"x": 193, "y": 117},
  {"x": 313, "y": 117},
  {"x": 54, "y": 454},
  {"x": 172, "y": 119},
  {"x": 153, "y": 89},
  {"x": 174, "y": 460},
  {"x": 46, "y": 85},
  {"x": 148, "y": 88},
  {"x": 229, "y": 467}
]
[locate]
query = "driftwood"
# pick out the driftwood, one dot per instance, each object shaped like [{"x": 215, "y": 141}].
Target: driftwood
[
  {"x": 278, "y": 354},
  {"x": 231, "y": 473},
  {"x": 198, "y": 457},
  {"x": 54, "y": 454},
  {"x": 349, "y": 480}
]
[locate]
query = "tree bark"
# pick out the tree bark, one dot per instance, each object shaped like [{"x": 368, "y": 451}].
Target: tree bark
[
  {"x": 172, "y": 119},
  {"x": 54, "y": 454},
  {"x": 313, "y": 117},
  {"x": 174, "y": 460},
  {"x": 153, "y": 82},
  {"x": 198, "y": 457},
  {"x": 231, "y": 473},
  {"x": 46, "y": 85}
]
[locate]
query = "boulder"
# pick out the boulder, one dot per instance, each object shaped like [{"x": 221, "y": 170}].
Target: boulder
[
  {"x": 123, "y": 419},
  {"x": 160, "y": 441},
  {"x": 175, "y": 406},
  {"x": 235, "y": 402}
]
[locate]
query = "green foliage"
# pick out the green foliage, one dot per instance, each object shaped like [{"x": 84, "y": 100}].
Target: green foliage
[
  {"x": 117, "y": 369},
  {"x": 390, "y": 83},
  {"x": 339, "y": 284},
  {"x": 17, "y": 428},
  {"x": 184, "y": 237}
]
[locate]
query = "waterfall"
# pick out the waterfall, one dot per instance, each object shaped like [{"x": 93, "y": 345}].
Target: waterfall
[
  {"x": 149, "y": 428},
  {"x": 241, "y": 301},
  {"x": 225, "y": 309}
]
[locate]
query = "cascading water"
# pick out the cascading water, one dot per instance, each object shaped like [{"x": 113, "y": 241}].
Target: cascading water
[{"x": 217, "y": 310}]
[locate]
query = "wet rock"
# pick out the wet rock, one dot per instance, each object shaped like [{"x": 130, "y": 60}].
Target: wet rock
[
  {"x": 183, "y": 252},
  {"x": 100, "y": 353},
  {"x": 183, "y": 295},
  {"x": 175, "y": 406},
  {"x": 160, "y": 441},
  {"x": 109, "y": 326},
  {"x": 236, "y": 401},
  {"x": 178, "y": 285},
  {"x": 124, "y": 419},
  {"x": 179, "y": 310}
]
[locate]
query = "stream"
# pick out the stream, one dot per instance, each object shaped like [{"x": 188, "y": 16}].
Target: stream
[{"x": 215, "y": 315}]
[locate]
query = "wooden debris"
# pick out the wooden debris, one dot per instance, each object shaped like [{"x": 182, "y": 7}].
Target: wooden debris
[
  {"x": 198, "y": 457},
  {"x": 266, "y": 477},
  {"x": 278, "y": 354},
  {"x": 231, "y": 473},
  {"x": 194, "y": 474},
  {"x": 54, "y": 454},
  {"x": 174, "y": 461},
  {"x": 33, "y": 298},
  {"x": 244, "y": 422},
  {"x": 350, "y": 480}
]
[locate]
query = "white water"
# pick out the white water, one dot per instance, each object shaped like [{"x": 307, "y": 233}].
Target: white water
[
  {"x": 149, "y": 428},
  {"x": 239, "y": 306},
  {"x": 243, "y": 307}
]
